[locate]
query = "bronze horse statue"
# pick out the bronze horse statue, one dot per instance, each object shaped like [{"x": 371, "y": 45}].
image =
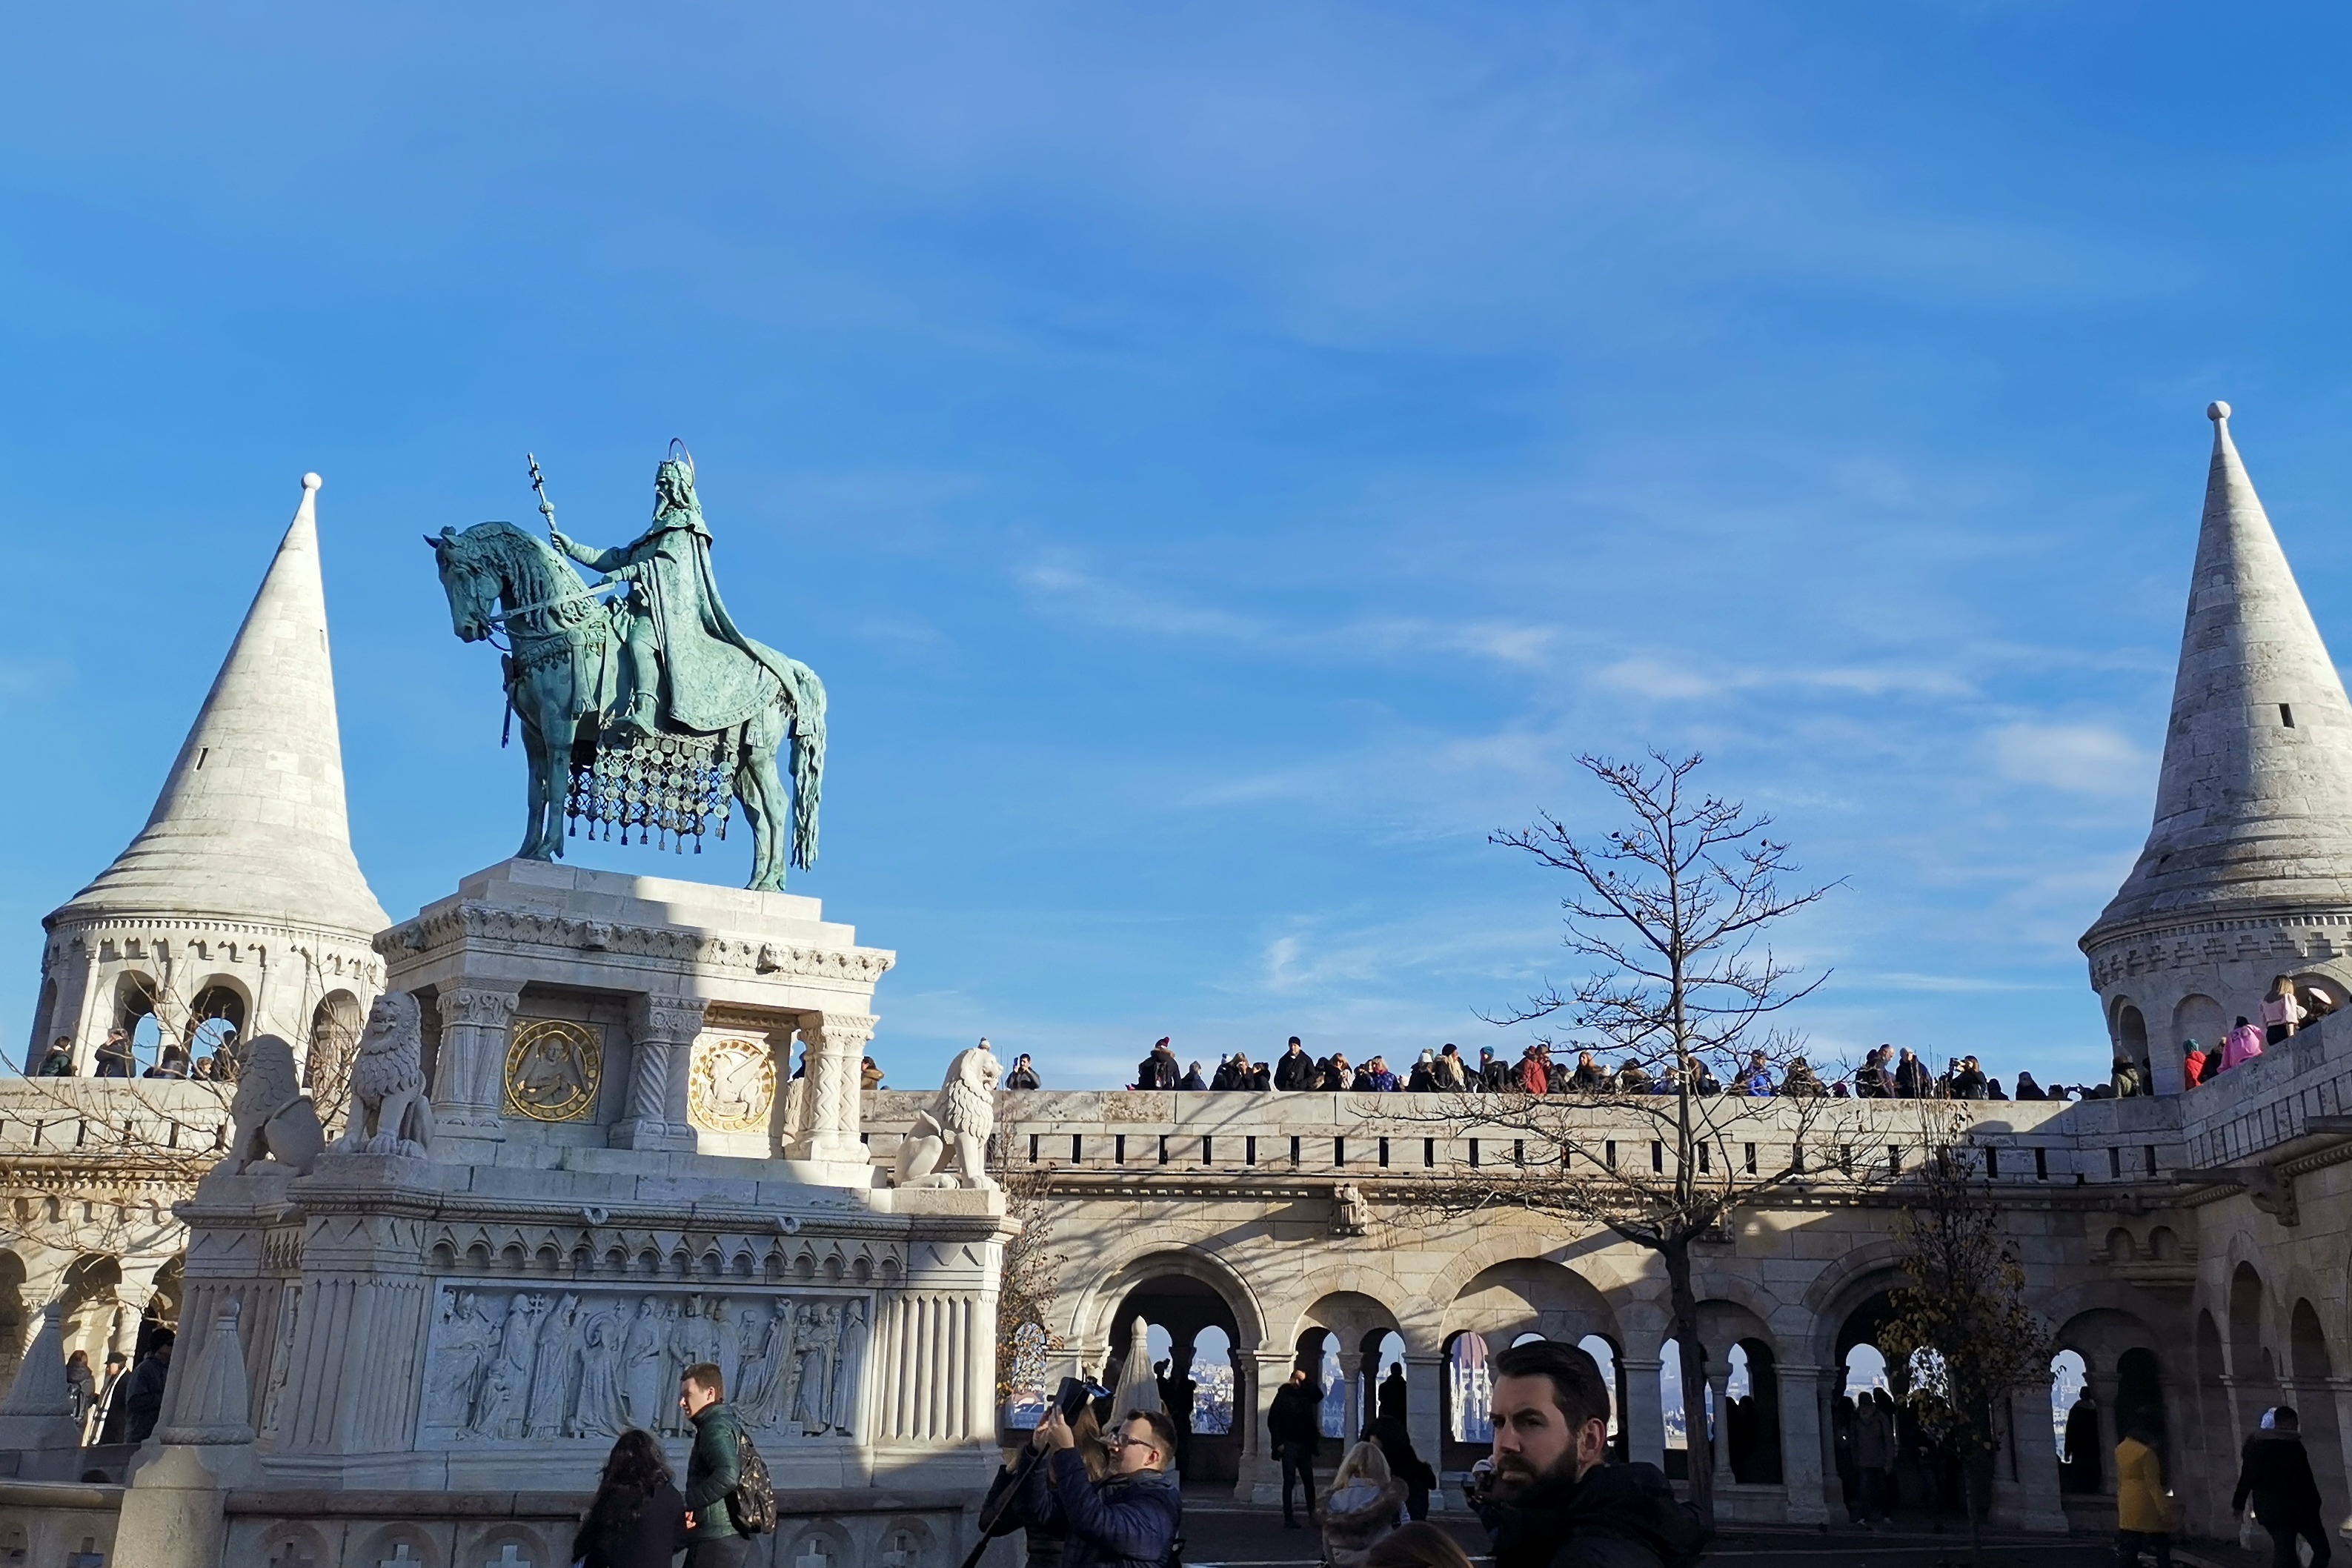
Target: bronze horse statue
[{"x": 561, "y": 682}]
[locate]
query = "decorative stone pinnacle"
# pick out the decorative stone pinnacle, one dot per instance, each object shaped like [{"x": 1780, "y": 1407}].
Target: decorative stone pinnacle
[
  {"x": 2217, "y": 412},
  {"x": 312, "y": 482}
]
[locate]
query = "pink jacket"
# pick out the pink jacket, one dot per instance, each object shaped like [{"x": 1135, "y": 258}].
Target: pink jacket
[{"x": 2243, "y": 1043}]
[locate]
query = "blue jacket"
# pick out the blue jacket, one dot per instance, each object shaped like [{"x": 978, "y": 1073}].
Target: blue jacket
[{"x": 1120, "y": 1522}]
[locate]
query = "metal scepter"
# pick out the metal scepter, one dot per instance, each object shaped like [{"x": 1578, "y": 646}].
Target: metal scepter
[{"x": 538, "y": 483}]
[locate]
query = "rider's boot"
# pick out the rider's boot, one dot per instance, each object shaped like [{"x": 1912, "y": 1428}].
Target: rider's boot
[{"x": 638, "y": 719}]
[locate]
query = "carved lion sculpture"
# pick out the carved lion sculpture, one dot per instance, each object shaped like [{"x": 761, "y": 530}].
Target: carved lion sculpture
[
  {"x": 948, "y": 1146},
  {"x": 390, "y": 1113},
  {"x": 271, "y": 1118}
]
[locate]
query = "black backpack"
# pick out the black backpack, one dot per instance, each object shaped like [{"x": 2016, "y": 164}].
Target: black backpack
[{"x": 752, "y": 1504}]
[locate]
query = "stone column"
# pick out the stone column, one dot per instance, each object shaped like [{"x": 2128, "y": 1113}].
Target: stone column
[
  {"x": 469, "y": 1071},
  {"x": 133, "y": 1293},
  {"x": 2030, "y": 1501},
  {"x": 1351, "y": 1421},
  {"x": 1645, "y": 1420},
  {"x": 661, "y": 1047},
  {"x": 1260, "y": 1472},
  {"x": 89, "y": 1029},
  {"x": 1800, "y": 1444},
  {"x": 788, "y": 1116},
  {"x": 1425, "y": 1417},
  {"x": 1719, "y": 1436},
  {"x": 2104, "y": 1386},
  {"x": 837, "y": 1047},
  {"x": 2338, "y": 1391}
]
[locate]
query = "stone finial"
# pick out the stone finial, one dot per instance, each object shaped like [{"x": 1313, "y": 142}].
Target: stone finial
[
  {"x": 36, "y": 1415},
  {"x": 217, "y": 1406},
  {"x": 40, "y": 1388},
  {"x": 1139, "y": 1388},
  {"x": 2217, "y": 412}
]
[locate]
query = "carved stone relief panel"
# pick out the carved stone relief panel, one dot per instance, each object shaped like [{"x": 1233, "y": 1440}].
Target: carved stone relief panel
[{"x": 515, "y": 1363}]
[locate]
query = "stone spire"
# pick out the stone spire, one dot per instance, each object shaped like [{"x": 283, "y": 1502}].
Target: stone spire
[
  {"x": 2254, "y": 807},
  {"x": 2247, "y": 871},
  {"x": 241, "y": 900},
  {"x": 251, "y": 822}
]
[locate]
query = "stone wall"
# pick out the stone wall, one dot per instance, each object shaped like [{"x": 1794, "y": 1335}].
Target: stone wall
[{"x": 2202, "y": 1235}]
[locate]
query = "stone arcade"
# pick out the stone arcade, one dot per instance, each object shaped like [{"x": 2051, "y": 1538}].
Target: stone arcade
[{"x": 622, "y": 1174}]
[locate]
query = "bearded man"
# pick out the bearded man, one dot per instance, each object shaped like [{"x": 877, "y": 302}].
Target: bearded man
[{"x": 1551, "y": 1501}]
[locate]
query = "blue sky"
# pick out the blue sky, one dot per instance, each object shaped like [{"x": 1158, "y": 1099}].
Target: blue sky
[{"x": 1223, "y": 460}]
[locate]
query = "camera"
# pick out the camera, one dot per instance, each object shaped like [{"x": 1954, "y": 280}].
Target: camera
[{"x": 1075, "y": 1394}]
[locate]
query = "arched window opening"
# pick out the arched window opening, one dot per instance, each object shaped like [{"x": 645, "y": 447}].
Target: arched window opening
[
  {"x": 2074, "y": 1421},
  {"x": 1470, "y": 1388},
  {"x": 1385, "y": 1390},
  {"x": 1604, "y": 1355},
  {"x": 1213, "y": 1379},
  {"x": 1865, "y": 1369}
]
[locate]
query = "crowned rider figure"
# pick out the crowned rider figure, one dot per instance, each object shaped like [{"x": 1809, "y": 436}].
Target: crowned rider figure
[{"x": 682, "y": 657}]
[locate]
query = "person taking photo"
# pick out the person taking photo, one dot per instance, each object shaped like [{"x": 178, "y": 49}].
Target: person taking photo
[{"x": 1132, "y": 1517}]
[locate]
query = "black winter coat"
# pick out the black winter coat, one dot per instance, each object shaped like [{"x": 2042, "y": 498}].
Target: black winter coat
[
  {"x": 1618, "y": 1516},
  {"x": 1119, "y": 1522},
  {"x": 648, "y": 1540},
  {"x": 1295, "y": 1415},
  {"x": 1042, "y": 1546},
  {"x": 2275, "y": 1472},
  {"x": 1294, "y": 1070}
]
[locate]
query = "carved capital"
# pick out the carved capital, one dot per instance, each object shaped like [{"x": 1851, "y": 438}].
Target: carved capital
[
  {"x": 668, "y": 1019},
  {"x": 467, "y": 1004},
  {"x": 839, "y": 1031}
]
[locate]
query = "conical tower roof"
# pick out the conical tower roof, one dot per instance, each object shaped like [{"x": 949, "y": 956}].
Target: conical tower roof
[
  {"x": 251, "y": 824},
  {"x": 2254, "y": 809}
]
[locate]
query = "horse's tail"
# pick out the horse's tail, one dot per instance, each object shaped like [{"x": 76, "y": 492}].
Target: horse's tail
[{"x": 806, "y": 693}]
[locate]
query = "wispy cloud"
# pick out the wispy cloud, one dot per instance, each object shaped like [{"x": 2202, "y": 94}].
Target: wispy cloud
[
  {"x": 1669, "y": 679},
  {"x": 1109, "y": 604},
  {"x": 2082, "y": 759}
]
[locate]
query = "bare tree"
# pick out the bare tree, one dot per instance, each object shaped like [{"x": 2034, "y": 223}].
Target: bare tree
[
  {"x": 1673, "y": 911},
  {"x": 1028, "y": 1285},
  {"x": 1960, "y": 1327}
]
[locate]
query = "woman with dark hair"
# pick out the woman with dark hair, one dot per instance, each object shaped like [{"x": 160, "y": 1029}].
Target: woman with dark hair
[
  {"x": 638, "y": 1520},
  {"x": 1043, "y": 1543}
]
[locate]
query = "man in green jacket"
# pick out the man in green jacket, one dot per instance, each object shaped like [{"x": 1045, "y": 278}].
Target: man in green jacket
[{"x": 712, "y": 1471}]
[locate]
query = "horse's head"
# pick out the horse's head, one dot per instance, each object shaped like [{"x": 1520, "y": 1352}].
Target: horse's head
[{"x": 471, "y": 582}]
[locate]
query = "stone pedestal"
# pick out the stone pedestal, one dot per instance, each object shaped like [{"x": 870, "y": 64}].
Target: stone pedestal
[
  {"x": 607, "y": 1199},
  {"x": 576, "y": 1006}
]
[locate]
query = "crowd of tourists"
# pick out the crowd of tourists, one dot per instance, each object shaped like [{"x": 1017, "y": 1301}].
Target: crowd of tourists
[
  {"x": 2284, "y": 1011},
  {"x": 1884, "y": 1073},
  {"x": 116, "y": 1057},
  {"x": 1090, "y": 1494}
]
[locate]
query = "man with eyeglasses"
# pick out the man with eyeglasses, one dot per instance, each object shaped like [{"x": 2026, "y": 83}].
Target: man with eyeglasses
[{"x": 1133, "y": 1517}]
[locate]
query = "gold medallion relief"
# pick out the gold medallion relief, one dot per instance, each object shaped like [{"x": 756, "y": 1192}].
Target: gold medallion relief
[
  {"x": 553, "y": 1067},
  {"x": 730, "y": 1085}
]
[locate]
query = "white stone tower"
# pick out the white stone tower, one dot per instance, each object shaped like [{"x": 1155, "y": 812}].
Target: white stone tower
[
  {"x": 240, "y": 900},
  {"x": 2247, "y": 874}
]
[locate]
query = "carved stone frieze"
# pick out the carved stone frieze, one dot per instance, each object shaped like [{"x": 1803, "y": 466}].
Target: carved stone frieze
[
  {"x": 520, "y": 1362},
  {"x": 474, "y": 921}
]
